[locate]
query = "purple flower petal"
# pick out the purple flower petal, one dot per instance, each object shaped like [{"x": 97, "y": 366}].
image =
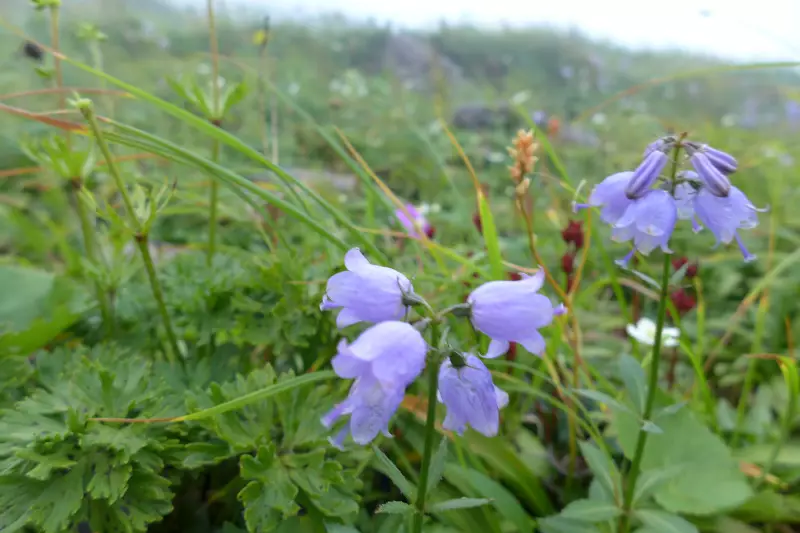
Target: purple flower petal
[
  {"x": 470, "y": 397},
  {"x": 496, "y": 348},
  {"x": 646, "y": 174},
  {"x": 610, "y": 195}
]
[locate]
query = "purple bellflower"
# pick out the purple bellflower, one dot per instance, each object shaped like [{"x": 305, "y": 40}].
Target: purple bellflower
[
  {"x": 646, "y": 174},
  {"x": 658, "y": 144},
  {"x": 724, "y": 217},
  {"x": 512, "y": 311},
  {"x": 366, "y": 292},
  {"x": 417, "y": 220},
  {"x": 470, "y": 396},
  {"x": 610, "y": 195},
  {"x": 383, "y": 360},
  {"x": 684, "y": 199},
  {"x": 710, "y": 175},
  {"x": 649, "y": 222},
  {"x": 722, "y": 161}
]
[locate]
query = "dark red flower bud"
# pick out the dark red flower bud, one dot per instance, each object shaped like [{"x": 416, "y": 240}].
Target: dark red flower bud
[
  {"x": 683, "y": 301},
  {"x": 430, "y": 231},
  {"x": 691, "y": 270},
  {"x": 573, "y": 234},
  {"x": 514, "y": 276},
  {"x": 567, "y": 263}
]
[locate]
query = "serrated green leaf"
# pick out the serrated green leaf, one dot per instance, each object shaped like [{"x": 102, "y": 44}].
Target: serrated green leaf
[
  {"x": 604, "y": 470},
  {"x": 437, "y": 465},
  {"x": 109, "y": 480},
  {"x": 591, "y": 511},
  {"x": 458, "y": 503},
  {"x": 270, "y": 497},
  {"x": 60, "y": 500},
  {"x": 395, "y": 508},
  {"x": 392, "y": 472},
  {"x": 665, "y": 522}
]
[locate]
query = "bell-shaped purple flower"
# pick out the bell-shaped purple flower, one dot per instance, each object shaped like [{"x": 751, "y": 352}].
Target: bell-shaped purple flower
[
  {"x": 366, "y": 292},
  {"x": 391, "y": 352},
  {"x": 684, "y": 200},
  {"x": 383, "y": 360},
  {"x": 710, "y": 176},
  {"x": 724, "y": 217},
  {"x": 470, "y": 396},
  {"x": 610, "y": 195},
  {"x": 646, "y": 174},
  {"x": 417, "y": 220},
  {"x": 512, "y": 311},
  {"x": 722, "y": 161},
  {"x": 649, "y": 222},
  {"x": 370, "y": 405}
]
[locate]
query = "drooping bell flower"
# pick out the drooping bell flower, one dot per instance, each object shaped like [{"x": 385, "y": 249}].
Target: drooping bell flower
[
  {"x": 724, "y": 217},
  {"x": 470, "y": 396},
  {"x": 366, "y": 292},
  {"x": 383, "y": 360},
  {"x": 512, "y": 311},
  {"x": 649, "y": 222},
  {"x": 417, "y": 220},
  {"x": 610, "y": 195}
]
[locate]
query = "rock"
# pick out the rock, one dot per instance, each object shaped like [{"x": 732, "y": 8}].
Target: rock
[{"x": 414, "y": 61}]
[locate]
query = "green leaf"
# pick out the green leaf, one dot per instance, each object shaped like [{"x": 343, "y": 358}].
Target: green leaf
[
  {"x": 558, "y": 524},
  {"x": 388, "y": 467},
  {"x": 600, "y": 397},
  {"x": 395, "y": 508},
  {"x": 652, "y": 480},
  {"x": 590, "y": 511},
  {"x": 604, "y": 470},
  {"x": 437, "y": 465},
  {"x": 710, "y": 480},
  {"x": 634, "y": 379},
  {"x": 458, "y": 503},
  {"x": 233, "y": 95},
  {"x": 61, "y": 500},
  {"x": 650, "y": 427},
  {"x": 665, "y": 522},
  {"x": 503, "y": 500},
  {"x": 768, "y": 506},
  {"x": 269, "y": 497},
  {"x": 491, "y": 238}
]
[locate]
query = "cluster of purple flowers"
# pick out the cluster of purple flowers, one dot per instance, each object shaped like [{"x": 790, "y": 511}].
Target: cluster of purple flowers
[
  {"x": 643, "y": 207},
  {"x": 388, "y": 356}
]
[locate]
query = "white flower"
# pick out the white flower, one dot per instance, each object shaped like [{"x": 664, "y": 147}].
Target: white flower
[
  {"x": 598, "y": 119},
  {"x": 644, "y": 331}
]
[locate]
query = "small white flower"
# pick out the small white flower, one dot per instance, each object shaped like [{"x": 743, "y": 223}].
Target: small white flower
[
  {"x": 598, "y": 119},
  {"x": 203, "y": 69},
  {"x": 644, "y": 331},
  {"x": 496, "y": 157}
]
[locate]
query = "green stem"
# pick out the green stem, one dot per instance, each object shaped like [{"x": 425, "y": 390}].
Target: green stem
[
  {"x": 750, "y": 375},
  {"x": 430, "y": 434},
  {"x": 140, "y": 232},
  {"x": 158, "y": 294},
  {"x": 652, "y": 388},
  {"x": 88, "y": 244},
  {"x": 212, "y": 208}
]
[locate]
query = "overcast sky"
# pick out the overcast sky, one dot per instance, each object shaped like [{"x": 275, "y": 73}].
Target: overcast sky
[{"x": 737, "y": 29}]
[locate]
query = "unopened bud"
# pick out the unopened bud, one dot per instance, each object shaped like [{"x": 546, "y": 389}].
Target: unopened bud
[
  {"x": 716, "y": 182},
  {"x": 723, "y": 161},
  {"x": 522, "y": 187},
  {"x": 646, "y": 174}
]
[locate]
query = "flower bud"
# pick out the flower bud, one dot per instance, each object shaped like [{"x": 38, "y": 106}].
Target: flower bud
[
  {"x": 714, "y": 180},
  {"x": 646, "y": 174},
  {"x": 723, "y": 161}
]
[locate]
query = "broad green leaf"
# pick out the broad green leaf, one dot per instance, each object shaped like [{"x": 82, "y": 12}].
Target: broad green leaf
[
  {"x": 768, "y": 506},
  {"x": 652, "y": 480},
  {"x": 650, "y": 427},
  {"x": 392, "y": 472},
  {"x": 710, "y": 480},
  {"x": 788, "y": 455},
  {"x": 437, "y": 465},
  {"x": 665, "y": 522},
  {"x": 590, "y": 511},
  {"x": 503, "y": 500},
  {"x": 395, "y": 508},
  {"x": 458, "y": 503},
  {"x": 633, "y": 377},
  {"x": 604, "y": 470}
]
